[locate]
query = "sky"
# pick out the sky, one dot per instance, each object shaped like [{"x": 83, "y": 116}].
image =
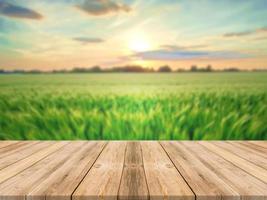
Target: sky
[{"x": 62, "y": 34}]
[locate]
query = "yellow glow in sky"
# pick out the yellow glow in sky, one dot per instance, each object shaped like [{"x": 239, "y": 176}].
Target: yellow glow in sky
[
  {"x": 139, "y": 42},
  {"x": 150, "y": 33}
]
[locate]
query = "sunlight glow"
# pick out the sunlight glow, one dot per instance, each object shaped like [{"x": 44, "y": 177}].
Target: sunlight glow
[{"x": 139, "y": 43}]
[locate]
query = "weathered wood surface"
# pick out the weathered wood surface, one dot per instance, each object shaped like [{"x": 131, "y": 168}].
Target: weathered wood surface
[{"x": 92, "y": 170}]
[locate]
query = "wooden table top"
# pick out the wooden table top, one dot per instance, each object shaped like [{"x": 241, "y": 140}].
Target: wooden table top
[{"x": 89, "y": 170}]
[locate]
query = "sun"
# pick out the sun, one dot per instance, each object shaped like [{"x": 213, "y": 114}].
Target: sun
[{"x": 139, "y": 43}]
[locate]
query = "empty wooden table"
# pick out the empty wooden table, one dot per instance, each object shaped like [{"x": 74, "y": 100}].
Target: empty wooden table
[{"x": 183, "y": 170}]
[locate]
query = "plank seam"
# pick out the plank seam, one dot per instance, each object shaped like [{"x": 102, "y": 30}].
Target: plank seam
[
  {"x": 247, "y": 148},
  {"x": 257, "y": 145},
  {"x": 208, "y": 166},
  {"x": 233, "y": 163},
  {"x": 56, "y": 167},
  {"x": 123, "y": 169},
  {"x": 71, "y": 196},
  {"x": 35, "y": 163},
  {"x": 195, "y": 196},
  {"x": 26, "y": 156},
  {"x": 21, "y": 145},
  {"x": 235, "y": 155},
  {"x": 148, "y": 195},
  {"x": 257, "y": 153},
  {"x": 13, "y": 151},
  {"x": 9, "y": 145}
]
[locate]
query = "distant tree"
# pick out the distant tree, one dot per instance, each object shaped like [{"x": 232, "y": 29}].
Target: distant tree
[
  {"x": 78, "y": 70},
  {"x": 193, "y": 68},
  {"x": 95, "y": 69},
  {"x": 18, "y": 71},
  {"x": 150, "y": 69},
  {"x": 134, "y": 68},
  {"x": 2, "y": 71},
  {"x": 209, "y": 68},
  {"x": 165, "y": 68},
  {"x": 60, "y": 71},
  {"x": 129, "y": 69},
  {"x": 34, "y": 71},
  {"x": 180, "y": 70},
  {"x": 259, "y": 70},
  {"x": 231, "y": 69}
]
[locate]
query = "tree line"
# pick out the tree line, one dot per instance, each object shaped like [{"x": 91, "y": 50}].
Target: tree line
[{"x": 130, "y": 69}]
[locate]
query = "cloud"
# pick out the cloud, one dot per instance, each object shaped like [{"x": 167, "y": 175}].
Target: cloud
[
  {"x": 86, "y": 40},
  {"x": 178, "y": 47},
  {"x": 238, "y": 34},
  {"x": 11, "y": 10},
  {"x": 245, "y": 33},
  {"x": 184, "y": 54},
  {"x": 102, "y": 7}
]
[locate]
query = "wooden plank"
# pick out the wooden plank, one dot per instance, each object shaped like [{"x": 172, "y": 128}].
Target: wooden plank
[
  {"x": 13, "y": 148},
  {"x": 260, "y": 143},
  {"x": 163, "y": 179},
  {"x": 18, "y": 186},
  {"x": 205, "y": 183},
  {"x": 19, "y": 166},
  {"x": 255, "y": 146},
  {"x": 103, "y": 180},
  {"x": 132, "y": 170},
  {"x": 7, "y": 143},
  {"x": 22, "y": 153},
  {"x": 249, "y": 167},
  {"x": 63, "y": 181},
  {"x": 247, "y": 186},
  {"x": 244, "y": 152},
  {"x": 250, "y": 147},
  {"x": 133, "y": 183}
]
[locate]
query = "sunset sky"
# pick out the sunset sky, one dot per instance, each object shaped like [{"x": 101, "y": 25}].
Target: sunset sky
[{"x": 56, "y": 34}]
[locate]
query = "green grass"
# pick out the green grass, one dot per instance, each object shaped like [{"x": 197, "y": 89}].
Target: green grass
[{"x": 201, "y": 106}]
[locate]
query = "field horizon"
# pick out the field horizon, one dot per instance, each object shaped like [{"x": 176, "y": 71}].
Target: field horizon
[
  {"x": 133, "y": 70},
  {"x": 187, "y": 106}
]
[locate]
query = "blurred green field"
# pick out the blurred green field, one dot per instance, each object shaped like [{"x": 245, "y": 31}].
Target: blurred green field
[{"x": 195, "y": 106}]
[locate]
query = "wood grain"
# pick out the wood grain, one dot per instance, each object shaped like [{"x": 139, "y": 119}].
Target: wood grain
[
  {"x": 259, "y": 143},
  {"x": 163, "y": 180},
  {"x": 245, "y": 153},
  {"x": 19, "y": 166},
  {"x": 65, "y": 179},
  {"x": 90, "y": 170},
  {"x": 205, "y": 183},
  {"x": 103, "y": 180},
  {"x": 247, "y": 166},
  {"x": 247, "y": 186},
  {"x": 11, "y": 157},
  {"x": 18, "y": 186},
  {"x": 133, "y": 182},
  {"x": 247, "y": 146},
  {"x": 6, "y": 143},
  {"x": 14, "y": 147},
  {"x": 257, "y": 146}
]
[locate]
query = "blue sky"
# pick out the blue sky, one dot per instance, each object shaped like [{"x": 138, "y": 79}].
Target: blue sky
[{"x": 68, "y": 33}]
